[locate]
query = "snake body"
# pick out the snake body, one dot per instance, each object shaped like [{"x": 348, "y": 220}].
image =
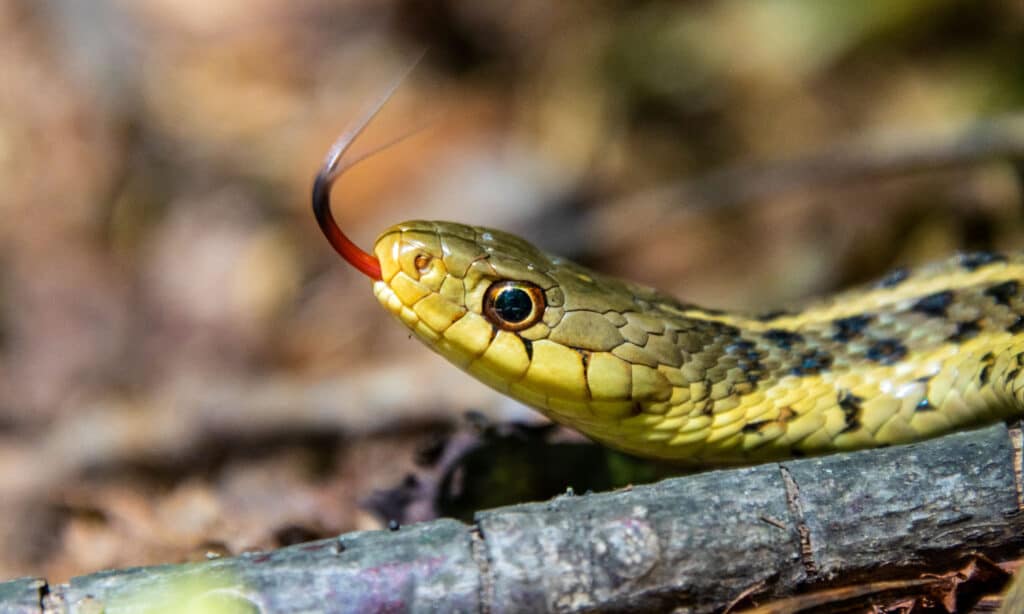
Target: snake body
[{"x": 916, "y": 355}]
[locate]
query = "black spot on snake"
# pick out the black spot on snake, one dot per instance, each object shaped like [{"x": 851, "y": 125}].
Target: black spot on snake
[
  {"x": 934, "y": 304},
  {"x": 812, "y": 363},
  {"x": 984, "y": 374},
  {"x": 887, "y": 351},
  {"x": 1017, "y": 326},
  {"x": 748, "y": 365},
  {"x": 848, "y": 328},
  {"x": 851, "y": 406},
  {"x": 924, "y": 405},
  {"x": 976, "y": 260},
  {"x": 723, "y": 330},
  {"x": 1003, "y": 293},
  {"x": 744, "y": 350},
  {"x": 708, "y": 407},
  {"x": 1012, "y": 375},
  {"x": 528, "y": 346},
  {"x": 783, "y": 338},
  {"x": 739, "y": 346},
  {"x": 753, "y": 427},
  {"x": 894, "y": 278},
  {"x": 965, "y": 330},
  {"x": 987, "y": 360},
  {"x": 748, "y": 358}
]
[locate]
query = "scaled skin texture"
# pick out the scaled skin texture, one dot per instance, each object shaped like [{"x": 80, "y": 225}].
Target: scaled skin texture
[{"x": 914, "y": 356}]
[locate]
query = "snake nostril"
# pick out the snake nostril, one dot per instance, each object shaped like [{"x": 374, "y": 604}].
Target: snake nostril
[{"x": 422, "y": 263}]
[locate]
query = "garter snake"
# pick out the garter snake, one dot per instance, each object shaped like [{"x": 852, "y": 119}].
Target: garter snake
[{"x": 915, "y": 355}]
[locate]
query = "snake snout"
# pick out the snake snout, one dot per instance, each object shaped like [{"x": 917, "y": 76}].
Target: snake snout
[{"x": 415, "y": 255}]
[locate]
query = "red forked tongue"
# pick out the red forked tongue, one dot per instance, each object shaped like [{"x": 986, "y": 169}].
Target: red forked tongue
[{"x": 333, "y": 168}]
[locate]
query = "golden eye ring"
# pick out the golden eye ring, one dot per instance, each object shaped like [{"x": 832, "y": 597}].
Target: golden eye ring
[{"x": 514, "y": 305}]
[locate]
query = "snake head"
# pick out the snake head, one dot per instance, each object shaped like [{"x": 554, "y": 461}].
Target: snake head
[
  {"x": 463, "y": 290},
  {"x": 593, "y": 352},
  {"x": 539, "y": 328}
]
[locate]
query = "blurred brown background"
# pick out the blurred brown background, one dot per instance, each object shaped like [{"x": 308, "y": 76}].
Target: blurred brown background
[{"x": 185, "y": 365}]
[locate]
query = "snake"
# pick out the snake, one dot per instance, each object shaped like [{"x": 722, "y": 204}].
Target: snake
[{"x": 917, "y": 354}]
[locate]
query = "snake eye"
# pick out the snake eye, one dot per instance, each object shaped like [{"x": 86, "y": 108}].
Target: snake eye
[{"x": 514, "y": 305}]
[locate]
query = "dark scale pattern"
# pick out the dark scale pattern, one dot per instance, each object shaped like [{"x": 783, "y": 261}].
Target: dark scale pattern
[
  {"x": 976, "y": 260},
  {"x": 965, "y": 330},
  {"x": 812, "y": 363},
  {"x": 748, "y": 359},
  {"x": 1017, "y": 326},
  {"x": 984, "y": 374},
  {"x": 934, "y": 305},
  {"x": 987, "y": 361},
  {"x": 894, "y": 278},
  {"x": 1003, "y": 293},
  {"x": 753, "y": 427},
  {"x": 851, "y": 327},
  {"x": 887, "y": 351},
  {"x": 740, "y": 347},
  {"x": 784, "y": 339},
  {"x": 851, "y": 406}
]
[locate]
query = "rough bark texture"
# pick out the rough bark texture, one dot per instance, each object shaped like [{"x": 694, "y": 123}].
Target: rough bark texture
[
  {"x": 696, "y": 543},
  {"x": 21, "y": 596}
]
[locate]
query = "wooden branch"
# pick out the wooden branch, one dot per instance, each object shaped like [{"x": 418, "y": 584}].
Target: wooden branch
[
  {"x": 698, "y": 543},
  {"x": 22, "y": 596}
]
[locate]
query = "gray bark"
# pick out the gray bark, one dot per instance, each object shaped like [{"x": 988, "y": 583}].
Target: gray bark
[
  {"x": 22, "y": 596},
  {"x": 695, "y": 543}
]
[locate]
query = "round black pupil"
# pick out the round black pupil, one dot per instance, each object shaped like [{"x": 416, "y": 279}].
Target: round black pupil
[{"x": 513, "y": 305}]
